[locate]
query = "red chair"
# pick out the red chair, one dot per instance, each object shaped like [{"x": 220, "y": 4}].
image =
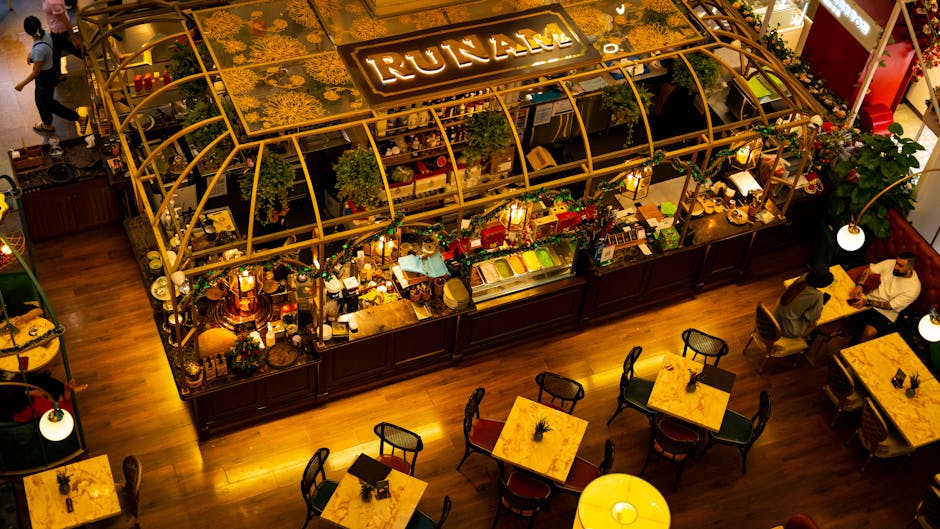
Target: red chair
[
  {"x": 673, "y": 441},
  {"x": 402, "y": 443},
  {"x": 800, "y": 521},
  {"x": 521, "y": 495},
  {"x": 479, "y": 435},
  {"x": 583, "y": 472}
]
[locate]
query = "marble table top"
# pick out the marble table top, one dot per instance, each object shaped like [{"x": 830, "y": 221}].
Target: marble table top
[
  {"x": 703, "y": 407},
  {"x": 347, "y": 509},
  {"x": 93, "y": 493},
  {"x": 837, "y": 307},
  {"x": 875, "y": 362},
  {"x": 39, "y": 356},
  {"x": 553, "y": 455},
  {"x": 620, "y": 501}
]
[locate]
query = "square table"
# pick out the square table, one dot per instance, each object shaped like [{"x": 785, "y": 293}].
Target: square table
[
  {"x": 94, "y": 496},
  {"x": 703, "y": 407},
  {"x": 347, "y": 509},
  {"x": 875, "y": 362},
  {"x": 838, "y": 305},
  {"x": 39, "y": 356},
  {"x": 553, "y": 455}
]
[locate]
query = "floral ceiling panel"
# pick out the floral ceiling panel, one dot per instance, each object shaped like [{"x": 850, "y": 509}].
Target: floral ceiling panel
[
  {"x": 633, "y": 27},
  {"x": 292, "y": 93},
  {"x": 348, "y": 21}
]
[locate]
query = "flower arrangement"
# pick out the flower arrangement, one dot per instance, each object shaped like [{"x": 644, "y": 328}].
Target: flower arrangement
[
  {"x": 541, "y": 428},
  {"x": 246, "y": 355},
  {"x": 925, "y": 19}
]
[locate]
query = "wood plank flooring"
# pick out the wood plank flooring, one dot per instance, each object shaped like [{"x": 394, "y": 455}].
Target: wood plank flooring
[{"x": 249, "y": 479}]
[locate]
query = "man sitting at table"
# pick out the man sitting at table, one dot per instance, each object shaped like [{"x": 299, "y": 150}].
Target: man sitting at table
[
  {"x": 801, "y": 304},
  {"x": 899, "y": 287}
]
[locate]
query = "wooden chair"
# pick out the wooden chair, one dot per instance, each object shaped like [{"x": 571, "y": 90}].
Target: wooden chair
[
  {"x": 419, "y": 520},
  {"x": 562, "y": 393},
  {"x": 874, "y": 436},
  {"x": 840, "y": 388},
  {"x": 800, "y": 521},
  {"x": 315, "y": 488},
  {"x": 704, "y": 344},
  {"x": 673, "y": 441},
  {"x": 129, "y": 497},
  {"x": 927, "y": 515},
  {"x": 402, "y": 444},
  {"x": 479, "y": 435},
  {"x": 740, "y": 431},
  {"x": 634, "y": 392},
  {"x": 521, "y": 495},
  {"x": 583, "y": 472},
  {"x": 767, "y": 333}
]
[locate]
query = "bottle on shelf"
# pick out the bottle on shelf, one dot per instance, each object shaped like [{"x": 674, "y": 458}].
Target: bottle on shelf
[
  {"x": 221, "y": 366},
  {"x": 208, "y": 365}
]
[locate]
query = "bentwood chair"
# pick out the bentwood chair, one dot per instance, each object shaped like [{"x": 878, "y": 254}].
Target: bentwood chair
[
  {"x": 800, "y": 521},
  {"x": 561, "y": 393},
  {"x": 840, "y": 388},
  {"x": 479, "y": 435},
  {"x": 419, "y": 520},
  {"x": 402, "y": 444},
  {"x": 521, "y": 495},
  {"x": 767, "y": 333},
  {"x": 874, "y": 436},
  {"x": 128, "y": 496},
  {"x": 927, "y": 515},
  {"x": 315, "y": 488},
  {"x": 583, "y": 472},
  {"x": 711, "y": 347},
  {"x": 671, "y": 440},
  {"x": 634, "y": 391},
  {"x": 741, "y": 432}
]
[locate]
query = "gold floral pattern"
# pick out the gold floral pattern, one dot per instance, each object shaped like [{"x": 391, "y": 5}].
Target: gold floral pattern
[
  {"x": 271, "y": 48},
  {"x": 458, "y": 14},
  {"x": 278, "y": 24},
  {"x": 528, "y": 4},
  {"x": 367, "y": 28},
  {"x": 246, "y": 102},
  {"x": 328, "y": 8},
  {"x": 644, "y": 37},
  {"x": 240, "y": 81},
  {"x": 290, "y": 107},
  {"x": 299, "y": 11},
  {"x": 591, "y": 20},
  {"x": 233, "y": 46},
  {"x": 331, "y": 95},
  {"x": 314, "y": 37},
  {"x": 252, "y": 117},
  {"x": 327, "y": 68},
  {"x": 426, "y": 20},
  {"x": 222, "y": 25}
]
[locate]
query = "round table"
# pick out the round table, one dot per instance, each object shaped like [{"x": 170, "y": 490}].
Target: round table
[
  {"x": 621, "y": 501},
  {"x": 39, "y": 356}
]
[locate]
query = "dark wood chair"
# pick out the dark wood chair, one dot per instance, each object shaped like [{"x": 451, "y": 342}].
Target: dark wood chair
[
  {"x": 402, "y": 445},
  {"x": 671, "y": 440},
  {"x": 634, "y": 392},
  {"x": 521, "y": 495},
  {"x": 711, "y": 347},
  {"x": 561, "y": 393},
  {"x": 315, "y": 488},
  {"x": 874, "y": 435},
  {"x": 767, "y": 333},
  {"x": 583, "y": 471},
  {"x": 840, "y": 388},
  {"x": 927, "y": 515},
  {"x": 128, "y": 496},
  {"x": 419, "y": 520},
  {"x": 479, "y": 435},
  {"x": 741, "y": 432}
]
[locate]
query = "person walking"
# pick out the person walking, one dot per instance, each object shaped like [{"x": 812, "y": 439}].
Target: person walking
[
  {"x": 60, "y": 28},
  {"x": 46, "y": 76}
]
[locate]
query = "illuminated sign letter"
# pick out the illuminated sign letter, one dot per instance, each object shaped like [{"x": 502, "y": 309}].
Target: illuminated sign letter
[
  {"x": 427, "y": 63},
  {"x": 389, "y": 67},
  {"x": 503, "y": 45},
  {"x": 466, "y": 50}
]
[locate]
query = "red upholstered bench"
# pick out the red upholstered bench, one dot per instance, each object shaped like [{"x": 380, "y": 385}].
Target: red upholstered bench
[
  {"x": 904, "y": 238},
  {"x": 876, "y": 118}
]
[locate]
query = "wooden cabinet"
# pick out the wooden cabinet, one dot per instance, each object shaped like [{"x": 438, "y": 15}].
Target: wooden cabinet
[{"x": 71, "y": 208}]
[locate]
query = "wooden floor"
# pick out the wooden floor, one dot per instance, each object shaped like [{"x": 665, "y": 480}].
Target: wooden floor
[{"x": 249, "y": 479}]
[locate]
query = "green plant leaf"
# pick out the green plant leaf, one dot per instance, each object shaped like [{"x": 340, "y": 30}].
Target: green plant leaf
[{"x": 358, "y": 178}]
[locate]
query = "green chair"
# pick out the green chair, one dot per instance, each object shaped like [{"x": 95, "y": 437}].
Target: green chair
[
  {"x": 315, "y": 488},
  {"x": 419, "y": 520},
  {"x": 634, "y": 392},
  {"x": 741, "y": 432}
]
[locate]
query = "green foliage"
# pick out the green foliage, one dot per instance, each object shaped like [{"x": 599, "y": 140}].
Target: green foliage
[
  {"x": 358, "y": 178},
  {"x": 880, "y": 161},
  {"x": 199, "y": 138},
  {"x": 706, "y": 69},
  {"x": 655, "y": 18},
  {"x": 542, "y": 426},
  {"x": 619, "y": 99},
  {"x": 183, "y": 63},
  {"x": 488, "y": 134},
  {"x": 246, "y": 356},
  {"x": 275, "y": 180}
]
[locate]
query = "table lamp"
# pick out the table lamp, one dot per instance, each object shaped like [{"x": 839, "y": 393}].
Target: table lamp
[
  {"x": 57, "y": 424},
  {"x": 745, "y": 157},
  {"x": 929, "y": 326},
  {"x": 638, "y": 182}
]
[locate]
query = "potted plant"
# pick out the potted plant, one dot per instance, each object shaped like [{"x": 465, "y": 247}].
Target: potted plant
[
  {"x": 275, "y": 180},
  {"x": 488, "y": 135},
  {"x": 366, "y": 492},
  {"x": 706, "y": 69},
  {"x": 624, "y": 105},
  {"x": 64, "y": 482},
  {"x": 915, "y": 383},
  {"x": 694, "y": 379},
  {"x": 878, "y": 162},
  {"x": 358, "y": 179},
  {"x": 183, "y": 63},
  {"x": 199, "y": 138},
  {"x": 246, "y": 356},
  {"x": 541, "y": 428}
]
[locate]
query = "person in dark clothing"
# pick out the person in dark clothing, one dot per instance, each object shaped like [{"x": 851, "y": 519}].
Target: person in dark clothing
[{"x": 46, "y": 75}]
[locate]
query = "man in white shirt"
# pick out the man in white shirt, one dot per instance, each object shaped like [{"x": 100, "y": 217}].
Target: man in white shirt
[{"x": 899, "y": 287}]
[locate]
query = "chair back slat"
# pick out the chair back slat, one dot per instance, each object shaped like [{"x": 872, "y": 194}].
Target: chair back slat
[
  {"x": 313, "y": 476},
  {"x": 628, "y": 367},
  {"x": 704, "y": 344},
  {"x": 472, "y": 411},
  {"x": 561, "y": 391},
  {"x": 402, "y": 443}
]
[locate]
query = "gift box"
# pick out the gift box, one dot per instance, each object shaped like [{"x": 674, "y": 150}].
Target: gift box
[
  {"x": 567, "y": 220},
  {"x": 668, "y": 239},
  {"x": 544, "y": 226},
  {"x": 493, "y": 235}
]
